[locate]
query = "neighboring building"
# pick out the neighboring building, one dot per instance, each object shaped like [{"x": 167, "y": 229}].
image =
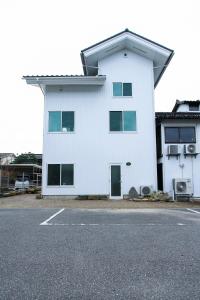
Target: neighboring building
[
  {"x": 99, "y": 128},
  {"x": 39, "y": 159},
  {"x": 6, "y": 158},
  {"x": 9, "y": 173},
  {"x": 178, "y": 147}
]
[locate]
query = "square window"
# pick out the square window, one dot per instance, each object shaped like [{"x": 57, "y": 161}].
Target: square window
[
  {"x": 171, "y": 135},
  {"x": 194, "y": 107},
  {"x": 122, "y": 121},
  {"x": 187, "y": 135},
  {"x": 117, "y": 89}
]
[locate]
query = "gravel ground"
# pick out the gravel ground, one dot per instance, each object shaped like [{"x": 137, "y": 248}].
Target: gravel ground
[{"x": 30, "y": 201}]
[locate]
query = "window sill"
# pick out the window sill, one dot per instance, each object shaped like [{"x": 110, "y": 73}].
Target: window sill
[
  {"x": 61, "y": 132},
  {"x": 122, "y": 132},
  {"x": 60, "y": 186},
  {"x": 122, "y": 97}
]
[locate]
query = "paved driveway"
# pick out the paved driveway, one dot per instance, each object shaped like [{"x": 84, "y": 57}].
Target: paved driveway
[{"x": 99, "y": 254}]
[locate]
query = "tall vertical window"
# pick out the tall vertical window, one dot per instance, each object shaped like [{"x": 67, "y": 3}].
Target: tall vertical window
[
  {"x": 122, "y": 121},
  {"x": 61, "y": 121},
  {"x": 122, "y": 89},
  {"x": 60, "y": 174}
]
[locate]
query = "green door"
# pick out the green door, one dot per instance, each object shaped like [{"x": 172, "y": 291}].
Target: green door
[{"x": 116, "y": 181}]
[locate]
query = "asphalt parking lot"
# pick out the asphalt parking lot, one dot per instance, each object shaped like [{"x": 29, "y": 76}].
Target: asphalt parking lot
[{"x": 99, "y": 254}]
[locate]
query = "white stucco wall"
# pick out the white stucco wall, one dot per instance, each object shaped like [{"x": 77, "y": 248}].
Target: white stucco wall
[
  {"x": 92, "y": 148},
  {"x": 190, "y": 165}
]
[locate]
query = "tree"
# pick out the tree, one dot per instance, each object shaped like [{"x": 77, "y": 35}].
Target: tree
[{"x": 25, "y": 158}]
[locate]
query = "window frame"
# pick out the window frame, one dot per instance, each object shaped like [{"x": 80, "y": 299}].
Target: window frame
[
  {"x": 122, "y": 96},
  {"x": 192, "y": 106},
  {"x": 179, "y": 128},
  {"x": 60, "y": 178},
  {"x": 123, "y": 131},
  {"x": 61, "y": 131}
]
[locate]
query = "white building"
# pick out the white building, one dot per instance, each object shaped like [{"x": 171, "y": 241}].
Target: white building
[
  {"x": 99, "y": 128},
  {"x": 178, "y": 144}
]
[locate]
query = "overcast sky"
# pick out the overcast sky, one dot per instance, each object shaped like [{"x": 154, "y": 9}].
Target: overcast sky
[{"x": 45, "y": 37}]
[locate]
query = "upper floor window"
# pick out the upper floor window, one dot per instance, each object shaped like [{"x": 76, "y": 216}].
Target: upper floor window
[
  {"x": 61, "y": 121},
  {"x": 177, "y": 135},
  {"x": 122, "y": 89},
  {"x": 122, "y": 121},
  {"x": 60, "y": 174},
  {"x": 194, "y": 107}
]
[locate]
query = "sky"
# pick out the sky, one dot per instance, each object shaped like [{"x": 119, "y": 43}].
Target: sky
[{"x": 43, "y": 37}]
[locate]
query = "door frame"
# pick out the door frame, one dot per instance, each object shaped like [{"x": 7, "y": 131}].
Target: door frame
[{"x": 110, "y": 196}]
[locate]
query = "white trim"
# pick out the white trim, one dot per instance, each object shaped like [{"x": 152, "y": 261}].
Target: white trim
[
  {"x": 122, "y": 96},
  {"x": 61, "y": 185},
  {"x": 124, "y": 131},
  {"x": 61, "y": 131}
]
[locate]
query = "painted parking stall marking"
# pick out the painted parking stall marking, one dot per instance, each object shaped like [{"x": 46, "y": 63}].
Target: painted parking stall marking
[
  {"x": 122, "y": 217},
  {"x": 53, "y": 216},
  {"x": 194, "y": 211}
]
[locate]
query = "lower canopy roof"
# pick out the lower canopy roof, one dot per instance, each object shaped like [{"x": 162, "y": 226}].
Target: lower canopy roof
[
  {"x": 161, "y": 116},
  {"x": 43, "y": 80}
]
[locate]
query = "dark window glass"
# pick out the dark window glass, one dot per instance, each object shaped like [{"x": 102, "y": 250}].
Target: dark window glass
[
  {"x": 187, "y": 135},
  {"x": 67, "y": 174},
  {"x": 67, "y": 121},
  {"x": 193, "y": 107},
  {"x": 180, "y": 135},
  {"x": 54, "y": 174},
  {"x": 127, "y": 89},
  {"x": 171, "y": 135},
  {"x": 115, "y": 121}
]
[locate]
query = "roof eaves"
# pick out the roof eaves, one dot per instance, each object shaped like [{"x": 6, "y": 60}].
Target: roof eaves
[
  {"x": 176, "y": 116},
  {"x": 164, "y": 68},
  {"x": 129, "y": 31},
  {"x": 137, "y": 35}
]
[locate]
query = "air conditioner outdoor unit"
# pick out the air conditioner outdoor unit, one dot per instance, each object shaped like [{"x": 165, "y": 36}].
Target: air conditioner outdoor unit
[
  {"x": 146, "y": 190},
  {"x": 182, "y": 186},
  {"x": 190, "y": 149},
  {"x": 173, "y": 149}
]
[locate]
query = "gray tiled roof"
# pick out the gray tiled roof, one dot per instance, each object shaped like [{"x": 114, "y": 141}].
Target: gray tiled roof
[
  {"x": 177, "y": 116},
  {"x": 178, "y": 103}
]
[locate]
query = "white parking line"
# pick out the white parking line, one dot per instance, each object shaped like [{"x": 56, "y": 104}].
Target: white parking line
[
  {"x": 194, "y": 211},
  {"x": 53, "y": 216},
  {"x": 116, "y": 224}
]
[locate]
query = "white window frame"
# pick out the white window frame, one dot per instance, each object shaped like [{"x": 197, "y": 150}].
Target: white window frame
[
  {"x": 122, "y": 89},
  {"x": 61, "y": 132},
  {"x": 60, "y": 185},
  {"x": 123, "y": 131}
]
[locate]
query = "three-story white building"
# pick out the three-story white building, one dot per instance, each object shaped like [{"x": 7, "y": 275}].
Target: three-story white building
[{"x": 99, "y": 128}]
